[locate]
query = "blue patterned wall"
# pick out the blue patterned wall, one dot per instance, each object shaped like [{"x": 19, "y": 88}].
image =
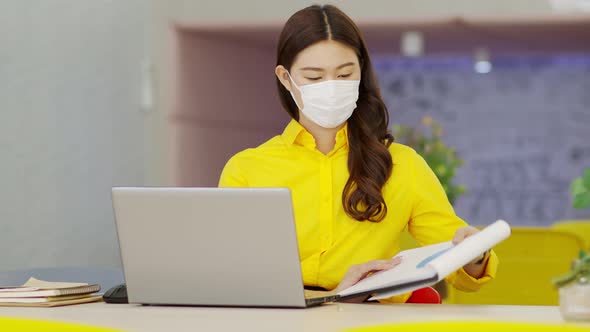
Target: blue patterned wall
[{"x": 523, "y": 129}]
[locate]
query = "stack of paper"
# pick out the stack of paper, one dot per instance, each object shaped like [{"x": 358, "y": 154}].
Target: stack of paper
[{"x": 39, "y": 293}]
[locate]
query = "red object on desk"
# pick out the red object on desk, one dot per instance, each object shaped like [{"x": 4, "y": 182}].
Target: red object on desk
[{"x": 425, "y": 295}]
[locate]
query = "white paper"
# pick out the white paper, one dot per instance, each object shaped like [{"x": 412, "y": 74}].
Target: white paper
[
  {"x": 405, "y": 272},
  {"x": 439, "y": 259},
  {"x": 470, "y": 248},
  {"x": 17, "y": 289},
  {"x": 42, "y": 284}
]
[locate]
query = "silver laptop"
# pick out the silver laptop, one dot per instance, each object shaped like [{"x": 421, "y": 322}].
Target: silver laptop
[{"x": 210, "y": 246}]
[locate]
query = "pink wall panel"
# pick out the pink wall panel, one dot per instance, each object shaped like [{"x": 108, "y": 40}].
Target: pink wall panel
[
  {"x": 226, "y": 98},
  {"x": 226, "y": 101},
  {"x": 203, "y": 151},
  {"x": 226, "y": 79}
]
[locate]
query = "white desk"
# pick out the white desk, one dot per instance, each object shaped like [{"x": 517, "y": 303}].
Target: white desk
[{"x": 332, "y": 317}]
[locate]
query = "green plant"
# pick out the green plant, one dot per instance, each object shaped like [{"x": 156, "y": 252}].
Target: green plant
[
  {"x": 443, "y": 160},
  {"x": 580, "y": 190},
  {"x": 580, "y": 272}
]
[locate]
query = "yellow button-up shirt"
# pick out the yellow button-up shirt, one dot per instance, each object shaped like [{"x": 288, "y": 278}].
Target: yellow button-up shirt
[{"x": 329, "y": 240}]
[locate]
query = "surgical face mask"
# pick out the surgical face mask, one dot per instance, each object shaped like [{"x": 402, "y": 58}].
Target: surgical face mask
[{"x": 329, "y": 103}]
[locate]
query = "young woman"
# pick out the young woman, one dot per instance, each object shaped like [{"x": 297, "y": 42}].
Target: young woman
[{"x": 354, "y": 190}]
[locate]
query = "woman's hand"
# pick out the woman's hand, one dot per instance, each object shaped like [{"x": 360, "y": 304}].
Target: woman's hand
[
  {"x": 476, "y": 267},
  {"x": 463, "y": 233},
  {"x": 359, "y": 272}
]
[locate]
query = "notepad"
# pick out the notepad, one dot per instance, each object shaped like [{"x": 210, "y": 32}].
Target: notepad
[
  {"x": 427, "y": 265},
  {"x": 40, "y": 288},
  {"x": 42, "y": 293},
  {"x": 42, "y": 299},
  {"x": 55, "y": 303}
]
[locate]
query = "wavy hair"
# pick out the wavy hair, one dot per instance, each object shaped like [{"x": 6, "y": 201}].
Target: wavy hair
[{"x": 369, "y": 160}]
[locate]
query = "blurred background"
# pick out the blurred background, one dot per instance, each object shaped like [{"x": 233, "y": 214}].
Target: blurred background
[{"x": 96, "y": 94}]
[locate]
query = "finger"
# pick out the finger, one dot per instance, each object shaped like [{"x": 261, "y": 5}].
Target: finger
[
  {"x": 377, "y": 265},
  {"x": 459, "y": 236},
  {"x": 468, "y": 231},
  {"x": 355, "y": 272},
  {"x": 358, "y": 272},
  {"x": 463, "y": 233},
  {"x": 381, "y": 265},
  {"x": 391, "y": 263}
]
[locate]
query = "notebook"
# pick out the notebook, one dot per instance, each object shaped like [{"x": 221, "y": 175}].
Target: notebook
[
  {"x": 56, "y": 303},
  {"x": 422, "y": 267},
  {"x": 42, "y": 299},
  {"x": 39, "y": 288},
  {"x": 41, "y": 293}
]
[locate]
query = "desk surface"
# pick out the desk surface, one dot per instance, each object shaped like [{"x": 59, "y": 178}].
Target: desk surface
[{"x": 333, "y": 317}]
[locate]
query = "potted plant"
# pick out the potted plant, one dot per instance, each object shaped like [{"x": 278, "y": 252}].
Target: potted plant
[
  {"x": 580, "y": 190},
  {"x": 442, "y": 159},
  {"x": 574, "y": 286}
]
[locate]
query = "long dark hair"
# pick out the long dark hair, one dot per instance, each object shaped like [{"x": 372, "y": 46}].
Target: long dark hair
[{"x": 369, "y": 161}]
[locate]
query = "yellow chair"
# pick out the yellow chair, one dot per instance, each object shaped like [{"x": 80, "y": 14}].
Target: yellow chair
[
  {"x": 529, "y": 259},
  {"x": 578, "y": 227}
]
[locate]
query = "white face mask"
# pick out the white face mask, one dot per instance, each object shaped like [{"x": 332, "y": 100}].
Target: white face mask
[{"x": 328, "y": 103}]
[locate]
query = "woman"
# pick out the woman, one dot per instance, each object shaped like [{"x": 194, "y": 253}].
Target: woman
[{"x": 354, "y": 190}]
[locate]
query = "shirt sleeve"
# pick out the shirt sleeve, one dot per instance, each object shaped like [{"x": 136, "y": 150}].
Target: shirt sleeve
[
  {"x": 232, "y": 174},
  {"x": 433, "y": 220}
]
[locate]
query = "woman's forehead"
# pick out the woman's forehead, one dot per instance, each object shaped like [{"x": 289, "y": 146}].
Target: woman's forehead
[{"x": 327, "y": 54}]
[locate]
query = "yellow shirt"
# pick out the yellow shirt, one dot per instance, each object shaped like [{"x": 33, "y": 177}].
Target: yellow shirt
[{"x": 329, "y": 240}]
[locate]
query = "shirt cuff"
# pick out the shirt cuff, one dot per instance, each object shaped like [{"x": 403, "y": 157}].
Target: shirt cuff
[{"x": 462, "y": 281}]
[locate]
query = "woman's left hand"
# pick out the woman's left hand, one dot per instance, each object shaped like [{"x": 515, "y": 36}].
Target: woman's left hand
[
  {"x": 472, "y": 268},
  {"x": 463, "y": 233}
]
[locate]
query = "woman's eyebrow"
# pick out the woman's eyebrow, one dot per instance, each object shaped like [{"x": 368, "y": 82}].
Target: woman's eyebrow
[
  {"x": 345, "y": 65},
  {"x": 312, "y": 68},
  {"x": 322, "y": 69}
]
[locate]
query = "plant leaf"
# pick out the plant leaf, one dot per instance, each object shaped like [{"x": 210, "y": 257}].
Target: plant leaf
[
  {"x": 587, "y": 178},
  {"x": 577, "y": 187},
  {"x": 582, "y": 200},
  {"x": 564, "y": 279}
]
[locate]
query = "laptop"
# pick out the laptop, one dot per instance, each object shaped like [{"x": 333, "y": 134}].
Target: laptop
[{"x": 210, "y": 247}]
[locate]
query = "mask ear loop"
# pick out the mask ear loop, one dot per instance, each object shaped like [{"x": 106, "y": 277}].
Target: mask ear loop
[{"x": 291, "y": 92}]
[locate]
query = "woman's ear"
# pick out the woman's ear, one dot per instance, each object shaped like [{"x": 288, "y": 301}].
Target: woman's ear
[{"x": 283, "y": 77}]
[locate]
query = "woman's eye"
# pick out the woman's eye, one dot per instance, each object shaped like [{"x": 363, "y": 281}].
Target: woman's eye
[
  {"x": 345, "y": 75},
  {"x": 314, "y": 78}
]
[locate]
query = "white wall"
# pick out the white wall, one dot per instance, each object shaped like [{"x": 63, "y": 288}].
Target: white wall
[
  {"x": 70, "y": 127},
  {"x": 274, "y": 10}
]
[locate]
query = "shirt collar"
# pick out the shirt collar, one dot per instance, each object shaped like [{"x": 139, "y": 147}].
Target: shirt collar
[
  {"x": 295, "y": 133},
  {"x": 292, "y": 131}
]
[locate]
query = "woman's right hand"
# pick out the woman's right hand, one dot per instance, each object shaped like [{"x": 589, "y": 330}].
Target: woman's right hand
[{"x": 359, "y": 272}]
